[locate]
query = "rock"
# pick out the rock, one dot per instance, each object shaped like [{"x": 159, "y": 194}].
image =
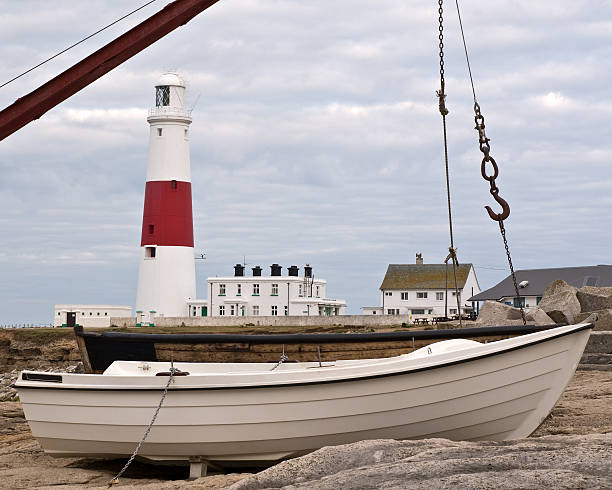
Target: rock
[
  {"x": 560, "y": 302},
  {"x": 604, "y": 319},
  {"x": 552, "y": 461},
  {"x": 496, "y": 313},
  {"x": 593, "y": 299},
  {"x": 600, "y": 343},
  {"x": 538, "y": 316}
]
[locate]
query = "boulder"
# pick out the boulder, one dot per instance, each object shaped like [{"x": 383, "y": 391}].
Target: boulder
[
  {"x": 496, "y": 313},
  {"x": 559, "y": 302},
  {"x": 541, "y": 462},
  {"x": 603, "y": 322},
  {"x": 538, "y": 316},
  {"x": 593, "y": 299}
]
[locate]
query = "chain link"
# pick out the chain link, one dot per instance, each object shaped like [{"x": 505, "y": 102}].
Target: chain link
[
  {"x": 146, "y": 434},
  {"x": 502, "y": 230}
]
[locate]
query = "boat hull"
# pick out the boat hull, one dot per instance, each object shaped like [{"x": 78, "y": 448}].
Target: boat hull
[{"x": 502, "y": 394}]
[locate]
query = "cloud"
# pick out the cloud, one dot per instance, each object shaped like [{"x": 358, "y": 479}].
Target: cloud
[{"x": 316, "y": 138}]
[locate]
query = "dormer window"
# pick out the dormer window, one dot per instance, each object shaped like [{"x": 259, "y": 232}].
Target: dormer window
[{"x": 162, "y": 96}]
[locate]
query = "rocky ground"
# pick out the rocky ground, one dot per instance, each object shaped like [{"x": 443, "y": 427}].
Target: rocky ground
[{"x": 572, "y": 449}]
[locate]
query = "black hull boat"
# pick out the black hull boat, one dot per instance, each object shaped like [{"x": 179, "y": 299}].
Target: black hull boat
[{"x": 100, "y": 349}]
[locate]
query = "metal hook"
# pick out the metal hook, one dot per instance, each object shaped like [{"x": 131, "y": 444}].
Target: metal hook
[{"x": 502, "y": 202}]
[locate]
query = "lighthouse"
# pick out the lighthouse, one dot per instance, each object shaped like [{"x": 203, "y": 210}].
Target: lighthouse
[{"x": 166, "y": 276}]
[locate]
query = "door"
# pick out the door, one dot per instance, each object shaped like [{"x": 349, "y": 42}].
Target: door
[{"x": 71, "y": 319}]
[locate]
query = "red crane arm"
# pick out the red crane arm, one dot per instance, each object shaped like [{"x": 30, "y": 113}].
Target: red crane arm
[{"x": 36, "y": 103}]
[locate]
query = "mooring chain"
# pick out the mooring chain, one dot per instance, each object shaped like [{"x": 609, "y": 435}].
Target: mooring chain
[
  {"x": 115, "y": 480},
  {"x": 282, "y": 359},
  {"x": 485, "y": 148},
  {"x": 444, "y": 112}
]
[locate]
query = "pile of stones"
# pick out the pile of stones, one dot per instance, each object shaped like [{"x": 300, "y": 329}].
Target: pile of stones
[{"x": 561, "y": 304}]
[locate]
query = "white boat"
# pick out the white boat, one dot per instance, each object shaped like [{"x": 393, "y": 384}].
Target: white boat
[{"x": 230, "y": 413}]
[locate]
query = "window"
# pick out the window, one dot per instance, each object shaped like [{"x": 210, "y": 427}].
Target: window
[
  {"x": 393, "y": 311},
  {"x": 59, "y": 314},
  {"x": 388, "y": 293},
  {"x": 453, "y": 311},
  {"x": 105, "y": 313},
  {"x": 221, "y": 289},
  {"x": 538, "y": 299},
  {"x": 238, "y": 289},
  {"x": 440, "y": 296},
  {"x": 232, "y": 310},
  {"x": 430, "y": 312},
  {"x": 317, "y": 291},
  {"x": 404, "y": 296},
  {"x": 275, "y": 311},
  {"x": 516, "y": 302},
  {"x": 90, "y": 313},
  {"x": 150, "y": 252},
  {"x": 255, "y": 289},
  {"x": 300, "y": 290},
  {"x": 256, "y": 310},
  {"x": 162, "y": 95},
  {"x": 159, "y": 131},
  {"x": 274, "y": 289},
  {"x": 98, "y": 313},
  {"x": 418, "y": 312},
  {"x": 173, "y": 184},
  {"x": 221, "y": 310},
  {"x": 151, "y": 229},
  {"x": 422, "y": 295},
  {"x": 286, "y": 310}
]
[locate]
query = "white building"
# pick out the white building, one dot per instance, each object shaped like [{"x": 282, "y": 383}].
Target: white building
[
  {"x": 273, "y": 295},
  {"x": 419, "y": 290},
  {"x": 88, "y": 315}
]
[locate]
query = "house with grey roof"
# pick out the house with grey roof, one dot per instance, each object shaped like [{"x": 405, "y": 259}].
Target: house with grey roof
[
  {"x": 533, "y": 282},
  {"x": 420, "y": 290}
]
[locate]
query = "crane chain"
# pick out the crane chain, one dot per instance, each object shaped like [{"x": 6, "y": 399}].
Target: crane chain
[{"x": 485, "y": 148}]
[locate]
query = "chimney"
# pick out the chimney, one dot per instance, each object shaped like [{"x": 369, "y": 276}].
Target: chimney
[
  {"x": 256, "y": 271},
  {"x": 275, "y": 270},
  {"x": 307, "y": 271},
  {"x": 419, "y": 259},
  {"x": 238, "y": 270},
  {"x": 293, "y": 271}
]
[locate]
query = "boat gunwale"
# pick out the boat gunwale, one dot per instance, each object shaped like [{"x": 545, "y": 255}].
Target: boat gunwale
[{"x": 578, "y": 328}]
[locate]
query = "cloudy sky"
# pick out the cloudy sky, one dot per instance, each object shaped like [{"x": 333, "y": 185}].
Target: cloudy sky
[{"x": 315, "y": 138}]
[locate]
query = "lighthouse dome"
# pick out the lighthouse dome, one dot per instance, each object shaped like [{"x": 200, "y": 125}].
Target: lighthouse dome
[{"x": 170, "y": 79}]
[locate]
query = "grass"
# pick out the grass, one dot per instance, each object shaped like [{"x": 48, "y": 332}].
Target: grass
[{"x": 42, "y": 334}]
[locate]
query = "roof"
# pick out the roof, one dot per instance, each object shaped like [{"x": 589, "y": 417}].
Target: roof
[
  {"x": 539, "y": 279},
  {"x": 423, "y": 276}
]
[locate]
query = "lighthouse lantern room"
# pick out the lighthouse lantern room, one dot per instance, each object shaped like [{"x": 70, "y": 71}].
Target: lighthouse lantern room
[{"x": 166, "y": 277}]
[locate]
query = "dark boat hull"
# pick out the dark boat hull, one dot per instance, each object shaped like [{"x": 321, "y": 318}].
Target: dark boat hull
[{"x": 100, "y": 349}]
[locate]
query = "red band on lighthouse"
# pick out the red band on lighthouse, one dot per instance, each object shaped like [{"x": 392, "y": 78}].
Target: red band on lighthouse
[{"x": 167, "y": 219}]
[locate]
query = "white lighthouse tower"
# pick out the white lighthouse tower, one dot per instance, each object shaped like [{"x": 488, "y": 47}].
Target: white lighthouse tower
[{"x": 166, "y": 277}]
